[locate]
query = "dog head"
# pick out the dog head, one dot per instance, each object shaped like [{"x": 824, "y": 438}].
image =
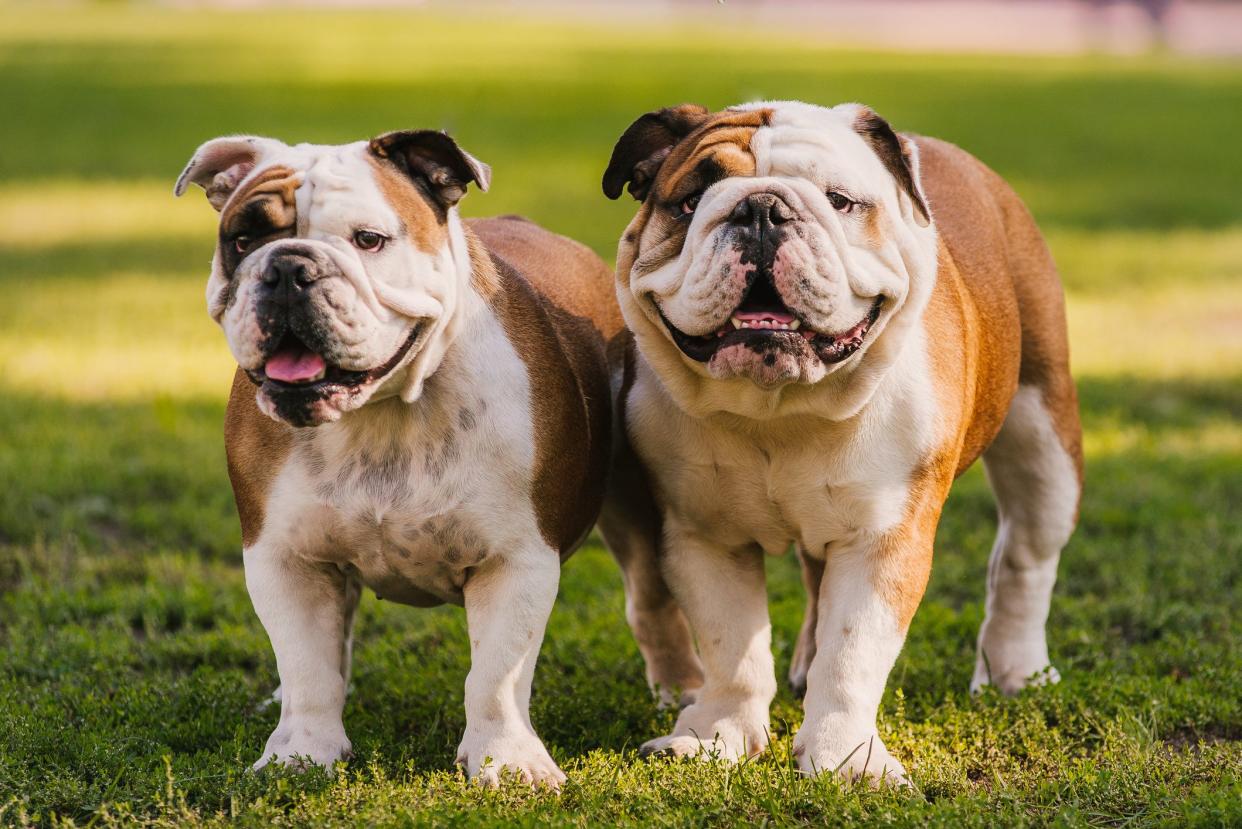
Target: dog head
[
  {"x": 338, "y": 268},
  {"x": 780, "y": 251}
]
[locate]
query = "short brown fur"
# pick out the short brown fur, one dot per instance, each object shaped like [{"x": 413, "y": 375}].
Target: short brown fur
[
  {"x": 995, "y": 319},
  {"x": 277, "y": 181},
  {"x": 1002, "y": 284},
  {"x": 558, "y": 319},
  {"x": 256, "y": 447}
]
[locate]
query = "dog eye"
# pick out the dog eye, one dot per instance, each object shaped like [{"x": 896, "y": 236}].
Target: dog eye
[
  {"x": 840, "y": 201},
  {"x": 369, "y": 240},
  {"x": 242, "y": 244},
  {"x": 690, "y": 204}
]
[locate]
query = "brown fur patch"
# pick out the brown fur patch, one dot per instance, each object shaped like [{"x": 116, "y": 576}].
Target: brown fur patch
[
  {"x": 1004, "y": 292},
  {"x": 903, "y": 557},
  {"x": 566, "y": 272},
  {"x": 424, "y": 223},
  {"x": 275, "y": 186},
  {"x": 483, "y": 275},
  {"x": 723, "y": 140},
  {"x": 558, "y": 336},
  {"x": 257, "y": 447},
  {"x": 645, "y": 144}
]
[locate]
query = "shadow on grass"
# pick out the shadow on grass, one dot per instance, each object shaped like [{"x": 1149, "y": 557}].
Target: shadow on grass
[{"x": 98, "y": 260}]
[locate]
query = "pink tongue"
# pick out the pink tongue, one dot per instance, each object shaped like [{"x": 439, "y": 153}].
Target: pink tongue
[
  {"x": 294, "y": 365},
  {"x": 754, "y": 316}
]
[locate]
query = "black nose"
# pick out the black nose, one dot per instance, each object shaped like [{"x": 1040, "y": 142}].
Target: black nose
[
  {"x": 290, "y": 271},
  {"x": 760, "y": 211}
]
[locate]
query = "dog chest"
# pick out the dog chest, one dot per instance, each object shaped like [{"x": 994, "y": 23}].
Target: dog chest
[
  {"x": 404, "y": 497},
  {"x": 812, "y": 487}
]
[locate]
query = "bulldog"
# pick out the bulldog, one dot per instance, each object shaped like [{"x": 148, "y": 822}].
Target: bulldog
[
  {"x": 421, "y": 406},
  {"x": 832, "y": 322}
]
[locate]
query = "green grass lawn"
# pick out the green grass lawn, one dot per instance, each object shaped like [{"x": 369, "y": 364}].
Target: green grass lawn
[{"x": 131, "y": 663}]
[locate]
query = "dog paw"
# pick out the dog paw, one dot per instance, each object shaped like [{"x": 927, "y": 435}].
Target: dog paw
[
  {"x": 300, "y": 745},
  {"x": 861, "y": 759},
  {"x": 1011, "y": 669},
  {"x": 701, "y": 732},
  {"x": 488, "y": 758}
]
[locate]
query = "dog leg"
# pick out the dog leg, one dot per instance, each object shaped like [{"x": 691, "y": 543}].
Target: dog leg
[
  {"x": 870, "y": 590},
  {"x": 1037, "y": 487},
  {"x": 303, "y": 608},
  {"x": 631, "y": 528},
  {"x": 723, "y": 594},
  {"x": 507, "y": 607},
  {"x": 353, "y": 593},
  {"x": 804, "y": 650}
]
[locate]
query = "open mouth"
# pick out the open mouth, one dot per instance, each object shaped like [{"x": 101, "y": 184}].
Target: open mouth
[
  {"x": 293, "y": 366},
  {"x": 763, "y": 322}
]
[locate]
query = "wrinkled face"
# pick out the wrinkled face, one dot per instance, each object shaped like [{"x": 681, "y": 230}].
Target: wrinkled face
[
  {"x": 334, "y": 269},
  {"x": 775, "y": 242}
]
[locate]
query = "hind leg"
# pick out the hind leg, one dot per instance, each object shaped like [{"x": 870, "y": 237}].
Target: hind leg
[
  {"x": 632, "y": 530},
  {"x": 1037, "y": 481},
  {"x": 804, "y": 650}
]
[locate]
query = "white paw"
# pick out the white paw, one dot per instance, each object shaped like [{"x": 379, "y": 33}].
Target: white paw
[
  {"x": 1013, "y": 667},
  {"x": 710, "y": 733},
  {"x": 488, "y": 757},
  {"x": 861, "y": 758},
  {"x": 298, "y": 744}
]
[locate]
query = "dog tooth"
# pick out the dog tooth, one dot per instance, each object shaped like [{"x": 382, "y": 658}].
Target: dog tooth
[
  {"x": 793, "y": 326},
  {"x": 737, "y": 323}
]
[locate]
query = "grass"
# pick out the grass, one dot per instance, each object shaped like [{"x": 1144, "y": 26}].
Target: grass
[{"x": 131, "y": 663}]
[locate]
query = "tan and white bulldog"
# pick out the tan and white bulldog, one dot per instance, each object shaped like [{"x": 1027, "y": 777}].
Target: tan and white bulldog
[
  {"x": 455, "y": 378},
  {"x": 833, "y": 321}
]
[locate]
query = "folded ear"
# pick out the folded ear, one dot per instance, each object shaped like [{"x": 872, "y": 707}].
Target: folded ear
[
  {"x": 642, "y": 148},
  {"x": 899, "y": 155},
  {"x": 435, "y": 158},
  {"x": 219, "y": 165}
]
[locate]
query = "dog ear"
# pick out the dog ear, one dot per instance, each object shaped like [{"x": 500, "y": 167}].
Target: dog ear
[
  {"x": 899, "y": 155},
  {"x": 220, "y": 164},
  {"x": 642, "y": 148},
  {"x": 435, "y": 158}
]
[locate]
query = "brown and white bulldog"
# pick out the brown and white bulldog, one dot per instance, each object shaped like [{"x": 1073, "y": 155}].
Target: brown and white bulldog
[
  {"x": 421, "y": 406},
  {"x": 833, "y": 321}
]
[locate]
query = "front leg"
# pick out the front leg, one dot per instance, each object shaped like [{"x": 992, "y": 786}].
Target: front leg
[
  {"x": 303, "y": 607},
  {"x": 508, "y": 602},
  {"x": 724, "y": 597},
  {"x": 870, "y": 590}
]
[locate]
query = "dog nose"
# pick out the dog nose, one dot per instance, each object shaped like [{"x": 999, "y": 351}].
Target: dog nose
[
  {"x": 290, "y": 270},
  {"x": 760, "y": 211}
]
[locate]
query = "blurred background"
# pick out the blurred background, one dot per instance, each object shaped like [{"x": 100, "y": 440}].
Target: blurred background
[{"x": 1117, "y": 122}]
